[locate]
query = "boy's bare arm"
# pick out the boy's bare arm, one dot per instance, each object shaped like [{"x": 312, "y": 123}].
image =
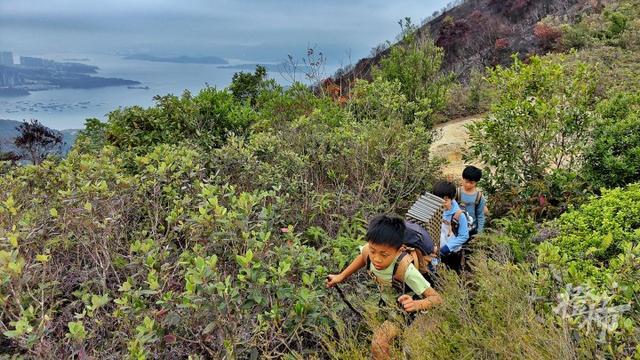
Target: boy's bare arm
[
  {"x": 356, "y": 264},
  {"x": 430, "y": 299}
]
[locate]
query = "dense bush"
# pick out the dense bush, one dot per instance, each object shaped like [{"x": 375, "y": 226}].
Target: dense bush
[
  {"x": 416, "y": 65},
  {"x": 160, "y": 262},
  {"x": 593, "y": 263},
  {"x": 539, "y": 122},
  {"x": 330, "y": 170},
  {"x": 205, "y": 119},
  {"x": 613, "y": 158},
  {"x": 164, "y": 234}
]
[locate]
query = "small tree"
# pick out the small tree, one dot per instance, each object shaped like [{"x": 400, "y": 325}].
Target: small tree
[
  {"x": 613, "y": 157},
  {"x": 415, "y": 63},
  {"x": 37, "y": 140},
  {"x": 540, "y": 122},
  {"x": 246, "y": 86}
]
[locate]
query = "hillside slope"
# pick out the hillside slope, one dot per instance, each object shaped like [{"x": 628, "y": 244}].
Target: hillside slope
[{"x": 480, "y": 33}]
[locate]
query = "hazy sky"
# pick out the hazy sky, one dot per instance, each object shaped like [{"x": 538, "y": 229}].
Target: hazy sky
[{"x": 249, "y": 29}]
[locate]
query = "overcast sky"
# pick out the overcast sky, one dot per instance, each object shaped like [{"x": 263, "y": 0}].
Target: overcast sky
[{"x": 249, "y": 29}]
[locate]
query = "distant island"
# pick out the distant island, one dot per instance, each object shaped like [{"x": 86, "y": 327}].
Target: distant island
[
  {"x": 179, "y": 59},
  {"x": 281, "y": 67},
  {"x": 80, "y": 60},
  {"x": 35, "y": 74}
]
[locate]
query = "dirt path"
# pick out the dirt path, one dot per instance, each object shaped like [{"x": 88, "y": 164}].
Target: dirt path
[{"x": 452, "y": 144}]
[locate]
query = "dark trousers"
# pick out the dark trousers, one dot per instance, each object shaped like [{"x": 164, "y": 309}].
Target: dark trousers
[{"x": 456, "y": 261}]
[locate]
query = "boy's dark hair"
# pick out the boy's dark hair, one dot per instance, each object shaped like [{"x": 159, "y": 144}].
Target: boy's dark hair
[
  {"x": 444, "y": 189},
  {"x": 386, "y": 230},
  {"x": 472, "y": 173}
]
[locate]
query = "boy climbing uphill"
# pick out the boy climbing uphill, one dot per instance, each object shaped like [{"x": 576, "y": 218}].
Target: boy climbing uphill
[
  {"x": 471, "y": 199},
  {"x": 454, "y": 231},
  {"x": 384, "y": 257}
]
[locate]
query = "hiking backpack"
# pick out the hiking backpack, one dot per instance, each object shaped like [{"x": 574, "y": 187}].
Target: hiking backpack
[
  {"x": 470, "y": 220},
  {"x": 455, "y": 221},
  {"x": 416, "y": 250}
]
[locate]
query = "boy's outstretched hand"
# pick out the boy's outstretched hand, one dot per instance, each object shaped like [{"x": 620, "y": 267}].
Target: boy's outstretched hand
[
  {"x": 408, "y": 304},
  {"x": 333, "y": 280}
]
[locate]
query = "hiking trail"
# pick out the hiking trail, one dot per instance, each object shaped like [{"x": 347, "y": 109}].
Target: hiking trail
[{"x": 452, "y": 143}]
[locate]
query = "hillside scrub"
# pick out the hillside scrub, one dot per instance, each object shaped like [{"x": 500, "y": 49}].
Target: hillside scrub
[
  {"x": 204, "y": 226},
  {"x": 593, "y": 263},
  {"x": 416, "y": 66},
  {"x": 160, "y": 262},
  {"x": 181, "y": 242},
  {"x": 538, "y": 127},
  {"x": 613, "y": 158}
]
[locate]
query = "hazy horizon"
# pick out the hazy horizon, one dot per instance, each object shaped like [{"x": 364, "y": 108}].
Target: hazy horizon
[
  {"x": 241, "y": 31},
  {"x": 253, "y": 30}
]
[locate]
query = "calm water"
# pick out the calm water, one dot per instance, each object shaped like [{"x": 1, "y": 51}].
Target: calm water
[{"x": 68, "y": 108}]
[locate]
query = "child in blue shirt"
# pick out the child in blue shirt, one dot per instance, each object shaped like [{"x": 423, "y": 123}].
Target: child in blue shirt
[
  {"x": 471, "y": 199},
  {"x": 454, "y": 231}
]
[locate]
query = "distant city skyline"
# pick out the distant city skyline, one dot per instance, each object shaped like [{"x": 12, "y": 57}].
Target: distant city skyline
[{"x": 265, "y": 30}]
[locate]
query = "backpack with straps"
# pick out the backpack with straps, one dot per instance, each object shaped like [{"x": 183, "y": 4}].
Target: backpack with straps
[
  {"x": 406, "y": 258},
  {"x": 418, "y": 245},
  {"x": 455, "y": 221},
  {"x": 470, "y": 220}
]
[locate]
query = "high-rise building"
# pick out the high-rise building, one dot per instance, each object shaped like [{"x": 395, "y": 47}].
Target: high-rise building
[{"x": 6, "y": 58}]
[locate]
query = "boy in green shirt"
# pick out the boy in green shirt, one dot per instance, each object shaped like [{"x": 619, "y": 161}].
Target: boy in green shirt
[{"x": 384, "y": 257}]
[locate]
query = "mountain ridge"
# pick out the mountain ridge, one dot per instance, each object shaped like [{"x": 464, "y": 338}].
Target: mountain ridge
[{"x": 480, "y": 33}]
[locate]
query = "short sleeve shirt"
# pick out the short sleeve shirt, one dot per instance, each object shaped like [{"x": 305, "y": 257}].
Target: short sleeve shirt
[{"x": 412, "y": 277}]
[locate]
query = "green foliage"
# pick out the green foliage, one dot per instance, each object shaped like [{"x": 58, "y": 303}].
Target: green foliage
[
  {"x": 247, "y": 86},
  {"x": 613, "y": 158},
  {"x": 76, "y": 331},
  {"x": 598, "y": 249},
  {"x": 379, "y": 99},
  {"x": 492, "y": 318},
  {"x": 92, "y": 138},
  {"x": 516, "y": 234},
  {"x": 205, "y": 119},
  {"x": 617, "y": 24},
  {"x": 334, "y": 170},
  {"x": 539, "y": 122},
  {"x": 142, "y": 245},
  {"x": 278, "y": 107},
  {"x": 415, "y": 63}
]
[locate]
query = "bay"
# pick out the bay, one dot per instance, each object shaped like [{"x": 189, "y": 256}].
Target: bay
[{"x": 68, "y": 108}]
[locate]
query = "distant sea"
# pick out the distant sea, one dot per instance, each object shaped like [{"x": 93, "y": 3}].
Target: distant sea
[{"x": 68, "y": 108}]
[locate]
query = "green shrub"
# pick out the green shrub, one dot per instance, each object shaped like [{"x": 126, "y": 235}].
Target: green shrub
[
  {"x": 333, "y": 170},
  {"x": 539, "y": 122},
  {"x": 613, "y": 158},
  {"x": 378, "y": 100},
  {"x": 152, "y": 260},
  {"x": 246, "y": 87},
  {"x": 595, "y": 262},
  {"x": 205, "y": 120},
  {"x": 415, "y": 63}
]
